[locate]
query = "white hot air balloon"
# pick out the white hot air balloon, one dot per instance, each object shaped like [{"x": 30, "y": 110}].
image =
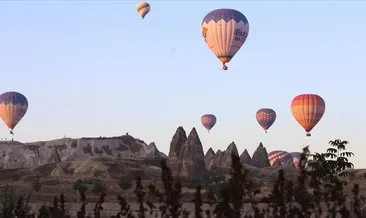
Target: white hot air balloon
[{"x": 225, "y": 31}]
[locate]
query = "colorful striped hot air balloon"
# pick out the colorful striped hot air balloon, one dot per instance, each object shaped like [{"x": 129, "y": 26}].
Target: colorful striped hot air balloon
[
  {"x": 296, "y": 156},
  {"x": 225, "y": 31},
  {"x": 279, "y": 158},
  {"x": 13, "y": 107},
  {"x": 208, "y": 121},
  {"x": 143, "y": 8},
  {"x": 265, "y": 117},
  {"x": 308, "y": 109}
]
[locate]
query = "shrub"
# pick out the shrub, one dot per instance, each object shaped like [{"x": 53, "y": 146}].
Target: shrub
[{"x": 99, "y": 187}]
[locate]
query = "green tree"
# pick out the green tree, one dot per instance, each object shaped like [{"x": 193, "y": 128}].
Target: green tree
[
  {"x": 333, "y": 163},
  {"x": 80, "y": 186},
  {"x": 99, "y": 187}
]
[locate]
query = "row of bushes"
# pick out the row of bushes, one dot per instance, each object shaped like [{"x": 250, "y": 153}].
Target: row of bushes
[{"x": 318, "y": 190}]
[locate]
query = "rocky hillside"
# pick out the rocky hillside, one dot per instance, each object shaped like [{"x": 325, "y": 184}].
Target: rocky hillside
[
  {"x": 186, "y": 156},
  {"x": 29, "y": 155}
]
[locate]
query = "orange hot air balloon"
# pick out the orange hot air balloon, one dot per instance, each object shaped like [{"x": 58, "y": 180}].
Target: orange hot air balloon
[
  {"x": 308, "y": 109},
  {"x": 13, "y": 107}
]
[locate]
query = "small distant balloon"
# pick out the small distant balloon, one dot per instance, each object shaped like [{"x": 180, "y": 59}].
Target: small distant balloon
[
  {"x": 224, "y": 32},
  {"x": 13, "y": 107},
  {"x": 143, "y": 8},
  {"x": 266, "y": 117},
  {"x": 208, "y": 121},
  {"x": 307, "y": 110}
]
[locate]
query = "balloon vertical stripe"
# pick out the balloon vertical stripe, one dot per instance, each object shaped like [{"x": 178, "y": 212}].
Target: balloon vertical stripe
[
  {"x": 308, "y": 109},
  {"x": 281, "y": 156}
]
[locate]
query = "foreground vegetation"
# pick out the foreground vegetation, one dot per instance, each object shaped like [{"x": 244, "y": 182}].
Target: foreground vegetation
[{"x": 318, "y": 190}]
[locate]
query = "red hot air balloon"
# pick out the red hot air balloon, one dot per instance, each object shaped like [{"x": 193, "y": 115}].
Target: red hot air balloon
[
  {"x": 279, "y": 158},
  {"x": 265, "y": 117},
  {"x": 308, "y": 109},
  {"x": 208, "y": 121}
]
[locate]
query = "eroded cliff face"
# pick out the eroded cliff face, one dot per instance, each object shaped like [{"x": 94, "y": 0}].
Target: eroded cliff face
[
  {"x": 260, "y": 157},
  {"x": 221, "y": 160},
  {"x": 245, "y": 157},
  {"x": 193, "y": 158},
  {"x": 18, "y": 155}
]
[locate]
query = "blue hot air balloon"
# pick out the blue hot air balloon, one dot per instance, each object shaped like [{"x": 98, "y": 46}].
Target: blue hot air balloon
[{"x": 225, "y": 31}]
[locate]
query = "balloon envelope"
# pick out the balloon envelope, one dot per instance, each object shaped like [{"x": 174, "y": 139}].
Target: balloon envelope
[
  {"x": 279, "y": 157},
  {"x": 13, "y": 106},
  {"x": 265, "y": 117},
  {"x": 225, "y": 31},
  {"x": 296, "y": 156},
  {"x": 208, "y": 121},
  {"x": 308, "y": 109},
  {"x": 143, "y": 8}
]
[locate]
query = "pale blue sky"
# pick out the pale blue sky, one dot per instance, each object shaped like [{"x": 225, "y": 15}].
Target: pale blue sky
[{"x": 92, "y": 68}]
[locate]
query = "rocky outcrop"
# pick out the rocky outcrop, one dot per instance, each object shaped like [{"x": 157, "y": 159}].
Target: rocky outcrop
[
  {"x": 29, "y": 155},
  {"x": 209, "y": 156},
  {"x": 192, "y": 158},
  {"x": 221, "y": 161},
  {"x": 245, "y": 157},
  {"x": 153, "y": 152},
  {"x": 226, "y": 159},
  {"x": 260, "y": 157},
  {"x": 176, "y": 145},
  {"x": 216, "y": 161}
]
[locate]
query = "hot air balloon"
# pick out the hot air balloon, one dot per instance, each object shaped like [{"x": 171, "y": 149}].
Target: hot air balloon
[
  {"x": 279, "y": 158},
  {"x": 208, "y": 121},
  {"x": 13, "y": 107},
  {"x": 296, "y": 156},
  {"x": 308, "y": 109},
  {"x": 265, "y": 117},
  {"x": 143, "y": 8},
  {"x": 225, "y": 31}
]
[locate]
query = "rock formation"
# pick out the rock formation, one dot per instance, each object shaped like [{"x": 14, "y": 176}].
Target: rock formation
[
  {"x": 245, "y": 157},
  {"x": 260, "y": 157},
  {"x": 226, "y": 160},
  {"x": 192, "y": 158},
  {"x": 209, "y": 156},
  {"x": 221, "y": 161},
  {"x": 176, "y": 145},
  {"x": 215, "y": 163},
  {"x": 29, "y": 155},
  {"x": 153, "y": 152}
]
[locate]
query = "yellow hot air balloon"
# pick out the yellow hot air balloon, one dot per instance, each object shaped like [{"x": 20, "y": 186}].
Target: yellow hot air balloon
[
  {"x": 225, "y": 31},
  {"x": 308, "y": 109},
  {"x": 143, "y": 8}
]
